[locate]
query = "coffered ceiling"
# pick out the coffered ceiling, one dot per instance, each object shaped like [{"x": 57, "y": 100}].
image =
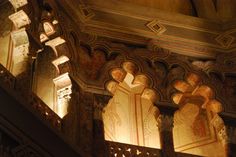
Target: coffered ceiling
[{"x": 200, "y": 28}]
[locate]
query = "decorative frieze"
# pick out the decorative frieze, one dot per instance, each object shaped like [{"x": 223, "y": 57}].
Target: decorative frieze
[{"x": 20, "y": 19}]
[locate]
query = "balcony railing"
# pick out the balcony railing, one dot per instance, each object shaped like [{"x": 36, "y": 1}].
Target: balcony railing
[
  {"x": 116, "y": 149},
  {"x": 31, "y": 101},
  {"x": 126, "y": 150}
]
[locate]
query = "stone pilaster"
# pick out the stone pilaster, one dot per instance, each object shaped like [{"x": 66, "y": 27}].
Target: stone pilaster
[{"x": 165, "y": 125}]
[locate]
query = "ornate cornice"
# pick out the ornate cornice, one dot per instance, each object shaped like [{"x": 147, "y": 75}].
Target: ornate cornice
[{"x": 182, "y": 34}]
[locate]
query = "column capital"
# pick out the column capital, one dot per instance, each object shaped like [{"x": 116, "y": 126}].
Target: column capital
[{"x": 165, "y": 122}]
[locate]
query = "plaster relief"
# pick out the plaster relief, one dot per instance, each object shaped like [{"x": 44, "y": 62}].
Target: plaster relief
[
  {"x": 130, "y": 116},
  {"x": 20, "y": 19},
  {"x": 20, "y": 51},
  {"x": 192, "y": 125},
  {"x": 18, "y": 3}
]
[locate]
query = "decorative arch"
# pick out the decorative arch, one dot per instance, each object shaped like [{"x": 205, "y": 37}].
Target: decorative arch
[
  {"x": 130, "y": 116},
  {"x": 197, "y": 108}
]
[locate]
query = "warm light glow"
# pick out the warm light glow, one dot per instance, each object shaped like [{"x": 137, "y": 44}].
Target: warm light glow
[
  {"x": 193, "y": 132},
  {"x": 130, "y": 115},
  {"x": 63, "y": 101},
  {"x": 18, "y": 3},
  {"x": 63, "y": 88}
]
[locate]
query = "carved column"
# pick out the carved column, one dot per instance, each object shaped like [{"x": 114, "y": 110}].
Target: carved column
[
  {"x": 227, "y": 134},
  {"x": 99, "y": 149},
  {"x": 165, "y": 125}
]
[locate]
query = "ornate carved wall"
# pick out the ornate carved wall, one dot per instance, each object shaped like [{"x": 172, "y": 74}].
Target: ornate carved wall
[{"x": 150, "y": 80}]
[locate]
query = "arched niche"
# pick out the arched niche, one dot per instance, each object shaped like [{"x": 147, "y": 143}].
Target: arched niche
[
  {"x": 193, "y": 132},
  {"x": 44, "y": 74},
  {"x": 130, "y": 116}
]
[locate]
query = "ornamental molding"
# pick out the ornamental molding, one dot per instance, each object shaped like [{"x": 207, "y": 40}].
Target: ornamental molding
[
  {"x": 156, "y": 27},
  {"x": 191, "y": 36},
  {"x": 225, "y": 40}
]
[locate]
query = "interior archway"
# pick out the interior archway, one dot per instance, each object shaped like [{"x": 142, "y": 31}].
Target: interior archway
[
  {"x": 193, "y": 132},
  {"x": 130, "y": 116}
]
